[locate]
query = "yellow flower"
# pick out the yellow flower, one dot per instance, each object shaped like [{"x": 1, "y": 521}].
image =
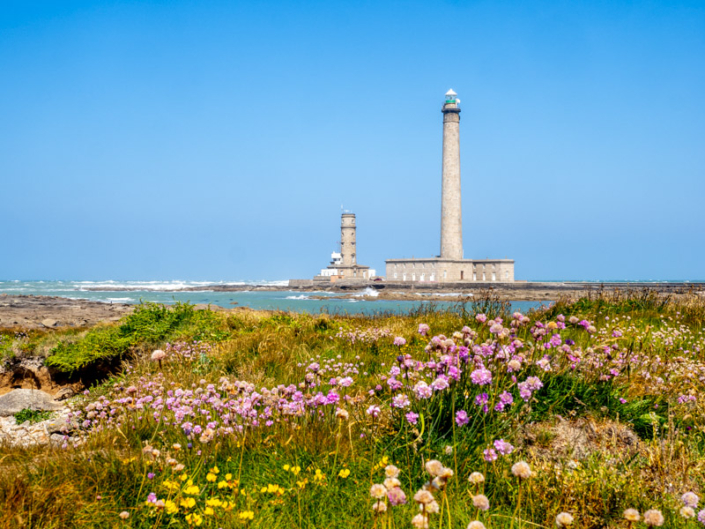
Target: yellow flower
[
  {"x": 227, "y": 507},
  {"x": 344, "y": 473},
  {"x": 286, "y": 468},
  {"x": 211, "y": 477},
  {"x": 295, "y": 470},
  {"x": 214, "y": 502},
  {"x": 246, "y": 515},
  {"x": 228, "y": 477},
  {"x": 222, "y": 484},
  {"x": 319, "y": 476},
  {"x": 188, "y": 503},
  {"x": 171, "y": 507},
  {"x": 194, "y": 519},
  {"x": 171, "y": 485},
  {"x": 208, "y": 511},
  {"x": 215, "y": 470},
  {"x": 302, "y": 484},
  {"x": 183, "y": 477},
  {"x": 193, "y": 490},
  {"x": 274, "y": 489}
]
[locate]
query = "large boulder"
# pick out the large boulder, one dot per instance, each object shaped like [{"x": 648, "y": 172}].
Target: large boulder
[{"x": 22, "y": 399}]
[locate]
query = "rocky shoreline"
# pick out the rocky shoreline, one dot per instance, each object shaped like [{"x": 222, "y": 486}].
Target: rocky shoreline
[{"x": 47, "y": 312}]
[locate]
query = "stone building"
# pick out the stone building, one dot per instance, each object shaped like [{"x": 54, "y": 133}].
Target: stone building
[
  {"x": 451, "y": 266},
  {"x": 343, "y": 264}
]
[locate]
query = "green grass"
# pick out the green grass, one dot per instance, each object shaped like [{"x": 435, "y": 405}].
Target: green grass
[
  {"x": 33, "y": 416},
  {"x": 89, "y": 485}
]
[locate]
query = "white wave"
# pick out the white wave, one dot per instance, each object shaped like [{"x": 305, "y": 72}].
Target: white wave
[
  {"x": 302, "y": 296},
  {"x": 369, "y": 292},
  {"x": 119, "y": 300}
]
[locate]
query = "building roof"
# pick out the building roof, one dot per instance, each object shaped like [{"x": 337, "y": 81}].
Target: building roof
[{"x": 450, "y": 93}]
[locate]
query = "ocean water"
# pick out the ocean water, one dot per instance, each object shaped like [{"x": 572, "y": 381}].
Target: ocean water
[{"x": 165, "y": 292}]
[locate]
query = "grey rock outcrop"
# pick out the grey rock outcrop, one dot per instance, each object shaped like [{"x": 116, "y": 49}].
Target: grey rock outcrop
[{"x": 22, "y": 399}]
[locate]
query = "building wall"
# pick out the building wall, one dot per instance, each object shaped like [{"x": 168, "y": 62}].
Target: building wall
[{"x": 451, "y": 271}]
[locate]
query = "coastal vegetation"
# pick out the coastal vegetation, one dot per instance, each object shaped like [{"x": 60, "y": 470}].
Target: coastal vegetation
[{"x": 583, "y": 414}]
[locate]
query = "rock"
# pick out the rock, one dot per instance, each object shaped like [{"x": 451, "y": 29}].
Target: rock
[
  {"x": 64, "y": 393},
  {"x": 49, "y": 323},
  {"x": 21, "y": 399}
]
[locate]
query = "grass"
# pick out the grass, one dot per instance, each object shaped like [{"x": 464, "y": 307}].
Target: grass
[
  {"x": 618, "y": 422},
  {"x": 33, "y": 416}
]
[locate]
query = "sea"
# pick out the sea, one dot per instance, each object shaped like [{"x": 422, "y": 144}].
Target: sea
[{"x": 167, "y": 292}]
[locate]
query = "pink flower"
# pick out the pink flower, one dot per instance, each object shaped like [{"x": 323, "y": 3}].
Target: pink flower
[
  {"x": 373, "y": 410},
  {"x": 481, "y": 318},
  {"x": 490, "y": 455},
  {"x": 423, "y": 329},
  {"x": 400, "y": 401},
  {"x": 461, "y": 418},
  {"x": 412, "y": 417},
  {"x": 399, "y": 341},
  {"x": 481, "y": 376},
  {"x": 503, "y": 447}
]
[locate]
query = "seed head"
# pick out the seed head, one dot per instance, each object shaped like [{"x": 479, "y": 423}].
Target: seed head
[
  {"x": 687, "y": 512},
  {"x": 124, "y": 515},
  {"x": 424, "y": 497},
  {"x": 521, "y": 470},
  {"x": 481, "y": 502},
  {"x": 564, "y": 520},
  {"x": 379, "y": 507},
  {"x": 631, "y": 515},
  {"x": 378, "y": 491},
  {"x": 476, "y": 478},
  {"x": 391, "y": 471},
  {"x": 653, "y": 517},
  {"x": 156, "y": 356},
  {"x": 476, "y": 525},
  {"x": 434, "y": 467},
  {"x": 420, "y": 521}
]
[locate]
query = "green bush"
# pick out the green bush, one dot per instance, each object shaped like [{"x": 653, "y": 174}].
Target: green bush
[{"x": 32, "y": 416}]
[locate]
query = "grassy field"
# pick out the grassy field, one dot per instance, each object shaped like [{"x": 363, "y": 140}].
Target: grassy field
[{"x": 564, "y": 417}]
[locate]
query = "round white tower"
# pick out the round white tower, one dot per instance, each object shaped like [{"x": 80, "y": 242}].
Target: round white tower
[{"x": 451, "y": 215}]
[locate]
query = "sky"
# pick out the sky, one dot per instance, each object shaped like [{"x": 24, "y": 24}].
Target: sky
[{"x": 206, "y": 140}]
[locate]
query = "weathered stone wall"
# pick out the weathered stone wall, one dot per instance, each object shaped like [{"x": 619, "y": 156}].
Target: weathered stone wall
[{"x": 450, "y": 271}]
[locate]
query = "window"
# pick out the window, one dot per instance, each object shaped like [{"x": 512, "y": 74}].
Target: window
[
  {"x": 474, "y": 277},
  {"x": 445, "y": 274},
  {"x": 395, "y": 275},
  {"x": 494, "y": 276}
]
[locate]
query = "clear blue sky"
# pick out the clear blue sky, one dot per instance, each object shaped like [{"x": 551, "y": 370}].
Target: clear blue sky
[{"x": 217, "y": 140}]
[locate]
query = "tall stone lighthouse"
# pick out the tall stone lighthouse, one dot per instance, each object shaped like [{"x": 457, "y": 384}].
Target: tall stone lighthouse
[
  {"x": 347, "y": 239},
  {"x": 451, "y": 215},
  {"x": 450, "y": 266}
]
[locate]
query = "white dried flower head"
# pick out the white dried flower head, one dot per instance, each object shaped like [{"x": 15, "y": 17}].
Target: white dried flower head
[
  {"x": 434, "y": 467},
  {"x": 179, "y": 467},
  {"x": 476, "y": 478},
  {"x": 564, "y": 520},
  {"x": 423, "y": 496},
  {"x": 340, "y": 413},
  {"x": 158, "y": 355},
  {"x": 379, "y": 507},
  {"x": 420, "y": 521},
  {"x": 449, "y": 450},
  {"x": 391, "y": 483},
  {"x": 481, "y": 502},
  {"x": 429, "y": 487},
  {"x": 687, "y": 512},
  {"x": 446, "y": 473},
  {"x": 690, "y": 499},
  {"x": 433, "y": 507},
  {"x": 521, "y": 470},
  {"x": 476, "y": 525},
  {"x": 653, "y": 518},
  {"x": 378, "y": 491},
  {"x": 632, "y": 515},
  {"x": 176, "y": 446},
  {"x": 155, "y": 453},
  {"x": 439, "y": 483},
  {"x": 391, "y": 471},
  {"x": 124, "y": 515}
]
